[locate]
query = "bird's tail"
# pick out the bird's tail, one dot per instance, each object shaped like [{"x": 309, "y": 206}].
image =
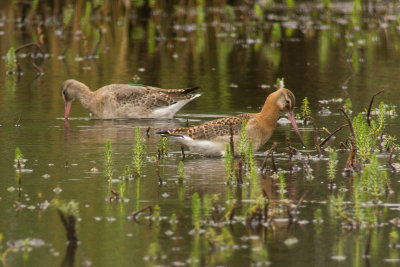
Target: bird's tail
[
  {"x": 189, "y": 90},
  {"x": 168, "y": 134}
]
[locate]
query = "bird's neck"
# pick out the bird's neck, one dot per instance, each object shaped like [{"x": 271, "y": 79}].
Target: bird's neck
[
  {"x": 83, "y": 94},
  {"x": 269, "y": 114}
]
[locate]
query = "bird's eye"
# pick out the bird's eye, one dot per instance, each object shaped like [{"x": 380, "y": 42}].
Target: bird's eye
[
  {"x": 63, "y": 92},
  {"x": 287, "y": 102}
]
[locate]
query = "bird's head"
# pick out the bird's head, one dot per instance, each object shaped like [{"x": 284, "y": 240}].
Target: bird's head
[{"x": 286, "y": 101}]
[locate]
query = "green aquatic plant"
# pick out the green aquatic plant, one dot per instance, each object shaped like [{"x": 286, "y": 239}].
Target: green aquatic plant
[
  {"x": 207, "y": 206},
  {"x": 357, "y": 190},
  {"x": 326, "y": 4},
  {"x": 18, "y": 157},
  {"x": 68, "y": 13},
  {"x": 332, "y": 165},
  {"x": 348, "y": 105},
  {"x": 156, "y": 213},
  {"x": 243, "y": 142},
  {"x": 127, "y": 172},
  {"x": 366, "y": 136},
  {"x": 180, "y": 171},
  {"x": 163, "y": 145},
  {"x": 290, "y": 4},
  {"x": 356, "y": 15},
  {"x": 258, "y": 12},
  {"x": 108, "y": 161},
  {"x": 305, "y": 108},
  {"x": 249, "y": 159},
  {"x": 276, "y": 34},
  {"x": 374, "y": 181},
  {"x": 121, "y": 189},
  {"x": 196, "y": 211},
  {"x": 139, "y": 153},
  {"x": 257, "y": 209},
  {"x": 393, "y": 238},
  {"x": 88, "y": 12},
  {"x": 318, "y": 216},
  {"x": 34, "y": 5},
  {"x": 11, "y": 61},
  {"x": 282, "y": 185}
]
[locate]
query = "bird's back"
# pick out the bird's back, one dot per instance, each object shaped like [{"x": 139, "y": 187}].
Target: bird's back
[{"x": 213, "y": 129}]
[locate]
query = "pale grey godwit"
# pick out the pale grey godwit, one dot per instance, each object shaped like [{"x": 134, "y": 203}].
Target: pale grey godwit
[{"x": 126, "y": 100}]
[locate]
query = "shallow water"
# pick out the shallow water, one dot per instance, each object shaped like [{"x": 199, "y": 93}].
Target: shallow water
[{"x": 236, "y": 64}]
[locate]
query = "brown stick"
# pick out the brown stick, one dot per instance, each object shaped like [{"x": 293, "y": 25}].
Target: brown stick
[
  {"x": 332, "y": 134},
  {"x": 136, "y": 213},
  {"x": 370, "y": 106},
  {"x": 28, "y": 45},
  {"x": 317, "y": 147},
  {"x": 240, "y": 171},
  {"x": 183, "y": 152},
  {"x": 269, "y": 151},
  {"x": 351, "y": 160},
  {"x": 231, "y": 141},
  {"x": 160, "y": 180},
  {"x": 115, "y": 193},
  {"x": 40, "y": 72},
  {"x": 231, "y": 213},
  {"x": 350, "y": 123}
]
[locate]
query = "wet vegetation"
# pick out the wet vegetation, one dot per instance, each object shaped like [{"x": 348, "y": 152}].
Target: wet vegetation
[{"x": 144, "y": 199}]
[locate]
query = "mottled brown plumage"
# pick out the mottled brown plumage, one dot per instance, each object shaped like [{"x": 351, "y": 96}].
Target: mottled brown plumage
[
  {"x": 126, "y": 100},
  {"x": 211, "y": 137}
]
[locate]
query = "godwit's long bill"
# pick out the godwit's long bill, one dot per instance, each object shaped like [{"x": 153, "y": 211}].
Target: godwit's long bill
[
  {"x": 126, "y": 100},
  {"x": 211, "y": 138}
]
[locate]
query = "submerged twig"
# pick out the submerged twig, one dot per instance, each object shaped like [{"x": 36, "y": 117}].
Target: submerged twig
[
  {"x": 351, "y": 160},
  {"x": 148, "y": 132},
  {"x": 230, "y": 214},
  {"x": 270, "y": 152},
  {"x": 231, "y": 141},
  {"x": 136, "y": 213},
  {"x": 332, "y": 134},
  {"x": 28, "y": 45},
  {"x": 183, "y": 152},
  {"x": 160, "y": 180},
  {"x": 370, "y": 106},
  {"x": 69, "y": 222}
]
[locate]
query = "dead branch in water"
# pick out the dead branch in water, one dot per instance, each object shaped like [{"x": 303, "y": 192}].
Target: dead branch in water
[
  {"x": 351, "y": 160},
  {"x": 136, "y": 213},
  {"x": 231, "y": 141},
  {"x": 29, "y": 45},
  {"x": 332, "y": 134},
  {"x": 270, "y": 152},
  {"x": 160, "y": 180},
  {"x": 183, "y": 152},
  {"x": 370, "y": 106}
]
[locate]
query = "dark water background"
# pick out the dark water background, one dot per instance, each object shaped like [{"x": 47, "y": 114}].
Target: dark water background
[{"x": 236, "y": 62}]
